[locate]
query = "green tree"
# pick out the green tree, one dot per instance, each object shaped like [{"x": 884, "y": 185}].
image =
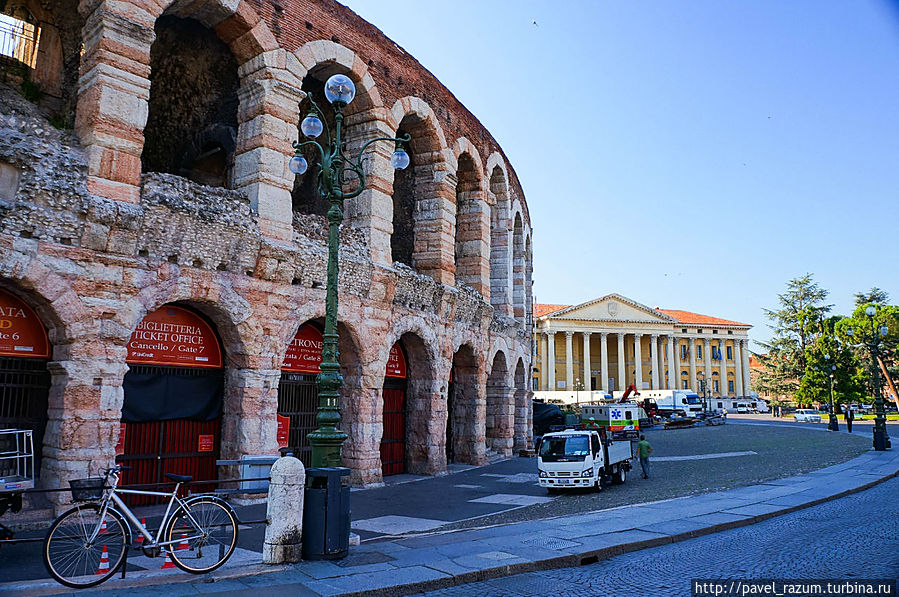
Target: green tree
[
  {"x": 863, "y": 328},
  {"x": 828, "y": 356},
  {"x": 797, "y": 322},
  {"x": 875, "y": 296}
]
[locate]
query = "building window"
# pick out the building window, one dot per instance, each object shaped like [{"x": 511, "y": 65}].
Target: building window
[
  {"x": 730, "y": 332},
  {"x": 684, "y": 384},
  {"x": 699, "y": 331},
  {"x": 730, "y": 387},
  {"x": 715, "y": 385},
  {"x": 720, "y": 405},
  {"x": 683, "y": 351},
  {"x": 535, "y": 382},
  {"x": 714, "y": 331},
  {"x": 684, "y": 330},
  {"x": 699, "y": 351},
  {"x": 730, "y": 353}
]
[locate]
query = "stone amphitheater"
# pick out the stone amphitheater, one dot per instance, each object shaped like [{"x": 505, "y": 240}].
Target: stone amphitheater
[{"x": 144, "y": 149}]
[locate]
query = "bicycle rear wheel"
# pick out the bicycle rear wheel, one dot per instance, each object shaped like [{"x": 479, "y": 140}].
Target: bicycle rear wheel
[
  {"x": 73, "y": 559},
  {"x": 206, "y": 531}
]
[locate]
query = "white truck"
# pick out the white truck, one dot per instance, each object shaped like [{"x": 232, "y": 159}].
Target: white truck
[
  {"x": 582, "y": 458},
  {"x": 669, "y": 402}
]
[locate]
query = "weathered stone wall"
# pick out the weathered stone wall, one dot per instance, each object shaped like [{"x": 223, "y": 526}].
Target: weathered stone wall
[{"x": 94, "y": 245}]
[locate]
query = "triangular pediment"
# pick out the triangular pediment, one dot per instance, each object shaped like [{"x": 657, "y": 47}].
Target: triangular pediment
[{"x": 612, "y": 307}]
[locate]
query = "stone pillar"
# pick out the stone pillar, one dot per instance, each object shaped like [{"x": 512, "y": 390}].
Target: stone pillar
[
  {"x": 738, "y": 368},
  {"x": 676, "y": 346},
  {"x": 622, "y": 374},
  {"x": 603, "y": 362},
  {"x": 707, "y": 361},
  {"x": 692, "y": 349},
  {"x": 587, "y": 370},
  {"x": 569, "y": 362},
  {"x": 722, "y": 366},
  {"x": 654, "y": 361},
  {"x": 544, "y": 363},
  {"x": 113, "y": 98},
  {"x": 268, "y": 117},
  {"x": 673, "y": 372},
  {"x": 747, "y": 373},
  {"x": 284, "y": 530},
  {"x": 638, "y": 361},
  {"x": 551, "y": 355}
]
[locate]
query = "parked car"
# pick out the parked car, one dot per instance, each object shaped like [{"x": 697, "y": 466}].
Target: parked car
[{"x": 808, "y": 415}]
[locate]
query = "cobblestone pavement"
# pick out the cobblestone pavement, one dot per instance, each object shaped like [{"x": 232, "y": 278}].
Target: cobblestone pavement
[
  {"x": 781, "y": 451},
  {"x": 853, "y": 537}
]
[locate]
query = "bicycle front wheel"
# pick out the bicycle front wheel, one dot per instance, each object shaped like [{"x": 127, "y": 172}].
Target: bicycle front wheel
[
  {"x": 82, "y": 549},
  {"x": 205, "y": 529}
]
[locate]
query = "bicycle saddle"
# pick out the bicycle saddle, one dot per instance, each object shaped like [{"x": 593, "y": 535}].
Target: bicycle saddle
[{"x": 179, "y": 478}]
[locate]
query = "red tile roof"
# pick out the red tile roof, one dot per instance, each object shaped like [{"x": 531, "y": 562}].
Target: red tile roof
[
  {"x": 696, "y": 318},
  {"x": 754, "y": 362},
  {"x": 541, "y": 310}
]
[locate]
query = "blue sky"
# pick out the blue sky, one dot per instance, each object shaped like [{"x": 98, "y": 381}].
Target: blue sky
[{"x": 689, "y": 155}]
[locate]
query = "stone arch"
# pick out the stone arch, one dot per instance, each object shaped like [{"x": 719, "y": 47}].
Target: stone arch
[
  {"x": 519, "y": 306},
  {"x": 465, "y": 409},
  {"x": 499, "y": 421},
  {"x": 523, "y": 418},
  {"x": 528, "y": 279},
  {"x": 425, "y": 392},
  {"x": 500, "y": 237},
  {"x": 423, "y": 201},
  {"x": 472, "y": 226},
  {"x": 115, "y": 97}
]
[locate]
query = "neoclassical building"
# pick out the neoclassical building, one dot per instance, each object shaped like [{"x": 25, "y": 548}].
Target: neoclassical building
[
  {"x": 609, "y": 343},
  {"x": 162, "y": 270}
]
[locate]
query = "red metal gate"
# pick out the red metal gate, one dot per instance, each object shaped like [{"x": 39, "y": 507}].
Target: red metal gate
[
  {"x": 298, "y": 400},
  {"x": 179, "y": 446},
  {"x": 393, "y": 440}
]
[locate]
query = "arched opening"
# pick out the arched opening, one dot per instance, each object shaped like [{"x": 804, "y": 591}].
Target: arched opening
[
  {"x": 518, "y": 274},
  {"x": 297, "y": 391},
  {"x": 499, "y": 419},
  {"x": 462, "y": 404},
  {"x": 174, "y": 392},
  {"x": 307, "y": 197},
  {"x": 500, "y": 263},
  {"x": 393, "y": 438},
  {"x": 191, "y": 128},
  {"x": 523, "y": 419},
  {"x": 24, "y": 386},
  {"x": 528, "y": 281},
  {"x": 468, "y": 229}
]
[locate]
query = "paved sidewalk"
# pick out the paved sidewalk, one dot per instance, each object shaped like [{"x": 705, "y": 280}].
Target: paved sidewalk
[{"x": 429, "y": 561}]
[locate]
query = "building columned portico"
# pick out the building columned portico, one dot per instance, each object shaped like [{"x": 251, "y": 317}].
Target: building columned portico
[{"x": 612, "y": 342}]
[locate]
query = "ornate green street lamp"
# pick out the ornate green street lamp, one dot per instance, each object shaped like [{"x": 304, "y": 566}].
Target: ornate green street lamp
[
  {"x": 335, "y": 185},
  {"x": 872, "y": 340},
  {"x": 833, "y": 424}
]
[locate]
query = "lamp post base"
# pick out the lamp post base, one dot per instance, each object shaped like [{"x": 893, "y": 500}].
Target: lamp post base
[
  {"x": 881, "y": 439},
  {"x": 833, "y": 424}
]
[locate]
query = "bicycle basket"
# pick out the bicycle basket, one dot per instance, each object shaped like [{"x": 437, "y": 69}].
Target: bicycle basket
[{"x": 86, "y": 490}]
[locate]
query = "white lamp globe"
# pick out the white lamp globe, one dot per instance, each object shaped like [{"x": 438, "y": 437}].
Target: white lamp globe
[
  {"x": 298, "y": 164},
  {"x": 871, "y": 311},
  {"x": 399, "y": 160},
  {"x": 884, "y": 330},
  {"x": 312, "y": 126},
  {"x": 340, "y": 89}
]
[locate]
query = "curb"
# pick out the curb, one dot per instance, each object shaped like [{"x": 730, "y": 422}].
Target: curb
[{"x": 593, "y": 556}]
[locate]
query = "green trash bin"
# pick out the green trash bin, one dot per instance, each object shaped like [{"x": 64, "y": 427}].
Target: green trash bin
[{"x": 326, "y": 514}]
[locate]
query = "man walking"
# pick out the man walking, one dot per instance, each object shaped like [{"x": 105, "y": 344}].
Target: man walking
[
  {"x": 644, "y": 450},
  {"x": 850, "y": 416}
]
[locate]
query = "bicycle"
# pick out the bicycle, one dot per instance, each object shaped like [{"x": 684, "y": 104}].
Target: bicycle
[{"x": 88, "y": 544}]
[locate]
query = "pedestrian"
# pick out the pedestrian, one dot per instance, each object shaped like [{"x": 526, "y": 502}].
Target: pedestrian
[
  {"x": 850, "y": 416},
  {"x": 644, "y": 450}
]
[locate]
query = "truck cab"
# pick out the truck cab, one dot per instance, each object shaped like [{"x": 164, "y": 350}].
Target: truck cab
[{"x": 581, "y": 457}]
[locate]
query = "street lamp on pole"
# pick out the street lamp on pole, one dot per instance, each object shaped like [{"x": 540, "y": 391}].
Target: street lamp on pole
[
  {"x": 335, "y": 185},
  {"x": 833, "y": 424},
  {"x": 872, "y": 340}
]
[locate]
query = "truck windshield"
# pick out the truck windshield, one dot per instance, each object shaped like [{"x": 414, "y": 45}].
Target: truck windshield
[
  {"x": 693, "y": 400},
  {"x": 565, "y": 449}
]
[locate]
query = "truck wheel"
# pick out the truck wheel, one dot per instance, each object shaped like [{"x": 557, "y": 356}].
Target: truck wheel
[{"x": 620, "y": 475}]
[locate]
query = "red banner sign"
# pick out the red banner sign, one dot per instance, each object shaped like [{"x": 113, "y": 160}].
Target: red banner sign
[
  {"x": 206, "y": 443},
  {"x": 21, "y": 332},
  {"x": 396, "y": 363},
  {"x": 174, "y": 336},
  {"x": 283, "y": 431},
  {"x": 304, "y": 355}
]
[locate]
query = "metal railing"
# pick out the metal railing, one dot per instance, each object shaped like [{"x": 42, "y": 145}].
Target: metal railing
[{"x": 18, "y": 39}]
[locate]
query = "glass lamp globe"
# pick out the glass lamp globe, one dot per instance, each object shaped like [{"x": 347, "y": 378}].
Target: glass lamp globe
[
  {"x": 298, "y": 164},
  {"x": 849, "y": 332},
  {"x": 399, "y": 159},
  {"x": 339, "y": 88},
  {"x": 884, "y": 330},
  {"x": 312, "y": 126},
  {"x": 871, "y": 311}
]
